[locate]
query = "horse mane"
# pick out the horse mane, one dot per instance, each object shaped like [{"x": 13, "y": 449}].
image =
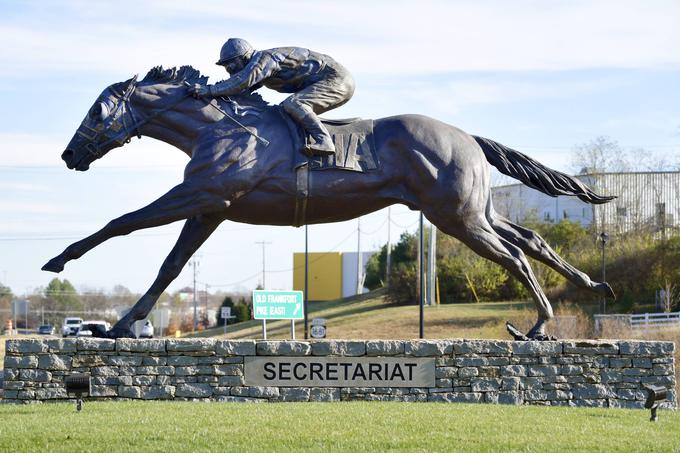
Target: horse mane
[{"x": 188, "y": 74}]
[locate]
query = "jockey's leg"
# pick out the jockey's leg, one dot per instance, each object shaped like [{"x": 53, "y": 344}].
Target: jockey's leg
[
  {"x": 319, "y": 97},
  {"x": 304, "y": 115}
]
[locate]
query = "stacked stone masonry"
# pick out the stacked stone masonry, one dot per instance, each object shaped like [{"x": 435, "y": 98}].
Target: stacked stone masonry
[{"x": 562, "y": 373}]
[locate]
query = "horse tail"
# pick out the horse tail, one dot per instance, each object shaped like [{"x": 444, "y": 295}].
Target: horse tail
[{"x": 536, "y": 175}]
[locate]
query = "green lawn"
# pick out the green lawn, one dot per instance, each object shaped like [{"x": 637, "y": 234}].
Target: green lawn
[
  {"x": 373, "y": 318},
  {"x": 356, "y": 426}
]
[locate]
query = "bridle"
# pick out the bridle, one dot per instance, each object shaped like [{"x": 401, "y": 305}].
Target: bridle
[{"x": 116, "y": 122}]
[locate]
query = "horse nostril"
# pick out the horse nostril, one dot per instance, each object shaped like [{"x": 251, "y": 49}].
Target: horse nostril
[{"x": 67, "y": 155}]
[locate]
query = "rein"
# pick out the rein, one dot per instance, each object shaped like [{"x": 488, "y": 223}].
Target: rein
[{"x": 118, "y": 123}]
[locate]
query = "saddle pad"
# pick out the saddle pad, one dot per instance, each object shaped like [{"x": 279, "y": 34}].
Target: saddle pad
[{"x": 354, "y": 149}]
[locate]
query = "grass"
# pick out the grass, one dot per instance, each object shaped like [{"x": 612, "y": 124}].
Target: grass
[
  {"x": 355, "y": 426},
  {"x": 373, "y": 318}
]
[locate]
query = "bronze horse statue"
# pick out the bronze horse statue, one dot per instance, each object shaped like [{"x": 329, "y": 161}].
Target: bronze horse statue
[{"x": 242, "y": 157}]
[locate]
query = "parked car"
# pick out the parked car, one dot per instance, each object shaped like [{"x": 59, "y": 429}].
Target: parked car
[
  {"x": 147, "y": 330},
  {"x": 71, "y": 326},
  {"x": 46, "y": 329},
  {"x": 93, "y": 329}
]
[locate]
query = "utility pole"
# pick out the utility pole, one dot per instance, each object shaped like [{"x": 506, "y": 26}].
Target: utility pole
[
  {"x": 306, "y": 300},
  {"x": 421, "y": 277},
  {"x": 206, "y": 303},
  {"x": 432, "y": 266},
  {"x": 263, "y": 244},
  {"x": 195, "y": 264},
  {"x": 359, "y": 267},
  {"x": 388, "y": 261}
]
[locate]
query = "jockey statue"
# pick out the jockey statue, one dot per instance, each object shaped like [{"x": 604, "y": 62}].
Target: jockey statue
[{"x": 318, "y": 83}]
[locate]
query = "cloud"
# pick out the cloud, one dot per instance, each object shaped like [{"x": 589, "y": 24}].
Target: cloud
[
  {"x": 22, "y": 186},
  {"x": 17, "y": 149},
  {"x": 30, "y": 207},
  {"x": 451, "y": 94},
  {"x": 368, "y": 37},
  {"x": 28, "y": 150}
]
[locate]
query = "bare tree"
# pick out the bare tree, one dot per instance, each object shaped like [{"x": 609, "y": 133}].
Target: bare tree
[
  {"x": 669, "y": 294},
  {"x": 600, "y": 155}
]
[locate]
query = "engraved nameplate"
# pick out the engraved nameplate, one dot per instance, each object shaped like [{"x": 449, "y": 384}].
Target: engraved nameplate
[{"x": 339, "y": 372}]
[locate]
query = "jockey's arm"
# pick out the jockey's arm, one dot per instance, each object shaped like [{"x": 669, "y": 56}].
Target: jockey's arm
[{"x": 261, "y": 66}]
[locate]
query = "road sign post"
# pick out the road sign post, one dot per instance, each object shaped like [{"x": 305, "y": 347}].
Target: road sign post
[
  {"x": 225, "y": 313},
  {"x": 278, "y": 305}
]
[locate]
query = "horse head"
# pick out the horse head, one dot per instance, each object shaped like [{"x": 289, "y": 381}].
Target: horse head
[
  {"x": 112, "y": 121},
  {"x": 109, "y": 124}
]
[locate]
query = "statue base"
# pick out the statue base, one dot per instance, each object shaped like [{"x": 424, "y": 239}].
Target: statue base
[{"x": 562, "y": 373}]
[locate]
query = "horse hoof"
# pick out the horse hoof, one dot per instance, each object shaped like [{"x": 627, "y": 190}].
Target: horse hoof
[
  {"x": 515, "y": 333},
  {"x": 118, "y": 332},
  {"x": 606, "y": 290},
  {"x": 543, "y": 337},
  {"x": 54, "y": 265}
]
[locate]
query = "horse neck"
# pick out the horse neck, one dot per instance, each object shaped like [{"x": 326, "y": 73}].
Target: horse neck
[{"x": 169, "y": 115}]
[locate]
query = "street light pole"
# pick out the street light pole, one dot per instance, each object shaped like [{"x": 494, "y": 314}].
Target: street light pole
[
  {"x": 264, "y": 244},
  {"x": 194, "y": 264},
  {"x": 421, "y": 259},
  {"x": 388, "y": 261},
  {"x": 604, "y": 237},
  {"x": 306, "y": 294}
]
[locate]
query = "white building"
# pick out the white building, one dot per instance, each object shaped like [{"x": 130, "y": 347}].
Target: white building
[
  {"x": 349, "y": 272},
  {"x": 646, "y": 201}
]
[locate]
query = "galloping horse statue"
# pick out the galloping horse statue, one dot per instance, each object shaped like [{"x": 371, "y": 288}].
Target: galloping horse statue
[{"x": 242, "y": 167}]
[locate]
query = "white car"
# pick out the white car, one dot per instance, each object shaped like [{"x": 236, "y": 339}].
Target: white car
[
  {"x": 88, "y": 327},
  {"x": 71, "y": 326},
  {"x": 147, "y": 330}
]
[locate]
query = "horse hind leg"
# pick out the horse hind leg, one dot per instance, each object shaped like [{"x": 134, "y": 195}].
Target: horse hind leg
[
  {"x": 536, "y": 247},
  {"x": 478, "y": 234}
]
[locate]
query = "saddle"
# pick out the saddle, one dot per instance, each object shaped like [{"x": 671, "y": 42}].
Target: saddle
[
  {"x": 354, "y": 151},
  {"x": 354, "y": 146}
]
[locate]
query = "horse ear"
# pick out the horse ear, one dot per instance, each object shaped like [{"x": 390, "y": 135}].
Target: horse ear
[
  {"x": 131, "y": 83},
  {"x": 130, "y": 86},
  {"x": 124, "y": 88}
]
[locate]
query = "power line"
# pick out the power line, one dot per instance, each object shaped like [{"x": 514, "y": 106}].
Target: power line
[
  {"x": 335, "y": 247},
  {"x": 81, "y": 235},
  {"x": 405, "y": 227}
]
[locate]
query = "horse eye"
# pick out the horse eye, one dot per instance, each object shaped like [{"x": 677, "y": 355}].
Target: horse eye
[{"x": 100, "y": 111}]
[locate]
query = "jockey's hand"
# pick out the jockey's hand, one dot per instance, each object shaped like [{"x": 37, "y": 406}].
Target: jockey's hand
[{"x": 198, "y": 90}]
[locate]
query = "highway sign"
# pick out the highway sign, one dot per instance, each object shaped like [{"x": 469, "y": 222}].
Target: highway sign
[
  {"x": 277, "y": 304},
  {"x": 225, "y": 313},
  {"x": 318, "y": 329},
  {"x": 318, "y": 332}
]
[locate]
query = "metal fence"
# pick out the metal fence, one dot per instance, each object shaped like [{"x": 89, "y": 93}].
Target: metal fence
[{"x": 644, "y": 321}]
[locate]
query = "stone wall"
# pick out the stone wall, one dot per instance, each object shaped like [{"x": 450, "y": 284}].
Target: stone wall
[{"x": 566, "y": 373}]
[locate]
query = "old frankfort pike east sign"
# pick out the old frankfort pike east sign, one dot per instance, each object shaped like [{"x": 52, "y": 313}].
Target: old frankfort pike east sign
[{"x": 278, "y": 305}]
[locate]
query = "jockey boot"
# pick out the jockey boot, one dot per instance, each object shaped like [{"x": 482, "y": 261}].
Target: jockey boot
[{"x": 322, "y": 142}]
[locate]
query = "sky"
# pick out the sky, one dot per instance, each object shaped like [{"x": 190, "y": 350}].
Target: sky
[{"x": 541, "y": 77}]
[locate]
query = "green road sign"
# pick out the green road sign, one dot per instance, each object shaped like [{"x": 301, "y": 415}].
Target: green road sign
[{"x": 277, "y": 304}]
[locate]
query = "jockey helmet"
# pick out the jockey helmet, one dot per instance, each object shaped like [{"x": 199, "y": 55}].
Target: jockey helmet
[{"x": 234, "y": 47}]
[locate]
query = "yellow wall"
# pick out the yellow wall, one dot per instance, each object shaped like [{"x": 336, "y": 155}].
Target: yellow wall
[{"x": 325, "y": 275}]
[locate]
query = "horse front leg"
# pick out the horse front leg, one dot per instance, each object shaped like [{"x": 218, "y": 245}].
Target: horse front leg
[
  {"x": 183, "y": 201},
  {"x": 196, "y": 230}
]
